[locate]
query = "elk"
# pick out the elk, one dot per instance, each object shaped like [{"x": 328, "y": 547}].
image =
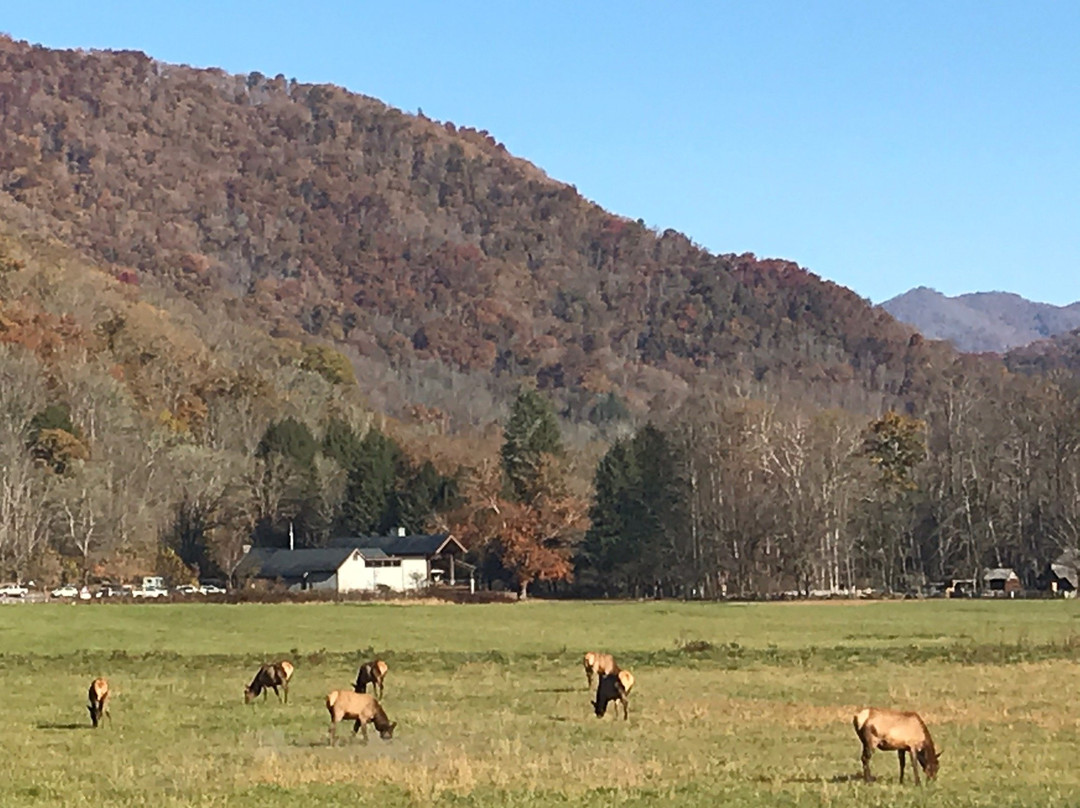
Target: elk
[
  {"x": 271, "y": 675},
  {"x": 362, "y": 708},
  {"x": 613, "y": 687},
  {"x": 601, "y": 664},
  {"x": 371, "y": 673},
  {"x": 896, "y": 731},
  {"x": 98, "y": 697}
]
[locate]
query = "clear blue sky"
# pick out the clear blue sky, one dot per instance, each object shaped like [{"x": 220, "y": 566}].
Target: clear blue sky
[{"x": 883, "y": 145}]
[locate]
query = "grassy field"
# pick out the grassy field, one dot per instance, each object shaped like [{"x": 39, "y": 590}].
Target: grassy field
[{"x": 492, "y": 707}]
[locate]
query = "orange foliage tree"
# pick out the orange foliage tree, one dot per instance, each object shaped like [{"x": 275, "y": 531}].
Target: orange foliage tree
[{"x": 534, "y": 540}]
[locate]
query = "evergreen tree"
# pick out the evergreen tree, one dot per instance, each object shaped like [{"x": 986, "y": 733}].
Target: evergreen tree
[
  {"x": 291, "y": 439},
  {"x": 603, "y": 551},
  {"x": 531, "y": 432},
  {"x": 637, "y": 513},
  {"x": 341, "y": 443},
  {"x": 419, "y": 494},
  {"x": 369, "y": 493}
]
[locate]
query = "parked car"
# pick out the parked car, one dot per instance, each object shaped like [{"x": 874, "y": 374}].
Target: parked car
[
  {"x": 212, "y": 589},
  {"x": 152, "y": 592},
  {"x": 113, "y": 591},
  {"x": 188, "y": 589},
  {"x": 13, "y": 591},
  {"x": 67, "y": 591},
  {"x": 153, "y": 586}
]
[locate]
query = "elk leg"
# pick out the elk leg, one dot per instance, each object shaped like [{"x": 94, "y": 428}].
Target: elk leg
[
  {"x": 277, "y": 693},
  {"x": 356, "y": 727},
  {"x": 903, "y": 755},
  {"x": 363, "y": 730},
  {"x": 285, "y": 687},
  {"x": 866, "y": 753},
  {"x": 333, "y": 731},
  {"x": 915, "y": 766},
  {"x": 625, "y": 709}
]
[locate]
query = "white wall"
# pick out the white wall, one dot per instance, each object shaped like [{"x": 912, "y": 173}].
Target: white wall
[
  {"x": 412, "y": 574},
  {"x": 354, "y": 575}
]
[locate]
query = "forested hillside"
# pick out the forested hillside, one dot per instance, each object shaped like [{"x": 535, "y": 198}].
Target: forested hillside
[
  {"x": 231, "y": 304},
  {"x": 141, "y": 436},
  {"x": 420, "y": 247}
]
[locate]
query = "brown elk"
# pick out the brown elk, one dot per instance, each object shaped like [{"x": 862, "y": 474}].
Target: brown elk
[
  {"x": 371, "y": 673},
  {"x": 600, "y": 664},
  {"x": 361, "y": 708},
  {"x": 98, "y": 697},
  {"x": 613, "y": 687},
  {"x": 271, "y": 676},
  {"x": 896, "y": 731}
]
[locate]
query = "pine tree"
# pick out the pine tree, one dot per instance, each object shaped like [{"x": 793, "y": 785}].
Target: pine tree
[
  {"x": 291, "y": 439},
  {"x": 638, "y": 510},
  {"x": 531, "y": 432},
  {"x": 368, "y": 495}
]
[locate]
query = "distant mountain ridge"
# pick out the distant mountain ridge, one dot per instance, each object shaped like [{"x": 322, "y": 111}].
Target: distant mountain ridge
[{"x": 982, "y": 321}]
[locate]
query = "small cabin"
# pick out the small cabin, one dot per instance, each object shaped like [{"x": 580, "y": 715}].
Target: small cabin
[{"x": 1001, "y": 582}]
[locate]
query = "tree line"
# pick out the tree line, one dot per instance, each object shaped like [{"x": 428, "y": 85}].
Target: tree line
[{"x": 744, "y": 497}]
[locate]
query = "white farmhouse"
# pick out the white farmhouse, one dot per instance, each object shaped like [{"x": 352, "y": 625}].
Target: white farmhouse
[
  {"x": 334, "y": 569},
  {"x": 438, "y": 556}
]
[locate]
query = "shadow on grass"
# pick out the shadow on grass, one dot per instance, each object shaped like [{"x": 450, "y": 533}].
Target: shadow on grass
[
  {"x": 313, "y": 743},
  {"x": 836, "y": 778},
  {"x": 559, "y": 690},
  {"x": 64, "y": 726}
]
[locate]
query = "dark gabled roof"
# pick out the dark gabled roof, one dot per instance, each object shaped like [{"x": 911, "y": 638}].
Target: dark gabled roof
[
  {"x": 407, "y": 546},
  {"x": 274, "y": 562},
  {"x": 371, "y": 553}
]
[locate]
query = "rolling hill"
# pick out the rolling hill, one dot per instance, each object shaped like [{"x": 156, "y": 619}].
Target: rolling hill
[{"x": 446, "y": 269}]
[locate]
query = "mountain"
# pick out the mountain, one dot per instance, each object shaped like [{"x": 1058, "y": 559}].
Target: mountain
[
  {"x": 446, "y": 270},
  {"x": 235, "y": 309},
  {"x": 982, "y": 321}
]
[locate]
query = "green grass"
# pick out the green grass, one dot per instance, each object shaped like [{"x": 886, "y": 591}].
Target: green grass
[{"x": 493, "y": 710}]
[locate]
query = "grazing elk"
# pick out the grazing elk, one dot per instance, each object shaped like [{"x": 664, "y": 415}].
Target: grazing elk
[
  {"x": 271, "y": 675},
  {"x": 613, "y": 687},
  {"x": 600, "y": 664},
  {"x": 371, "y": 673},
  {"x": 896, "y": 731},
  {"x": 359, "y": 707},
  {"x": 98, "y": 697}
]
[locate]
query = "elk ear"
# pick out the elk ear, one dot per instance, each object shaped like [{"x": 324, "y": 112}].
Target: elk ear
[
  {"x": 393, "y": 726},
  {"x": 940, "y": 753}
]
